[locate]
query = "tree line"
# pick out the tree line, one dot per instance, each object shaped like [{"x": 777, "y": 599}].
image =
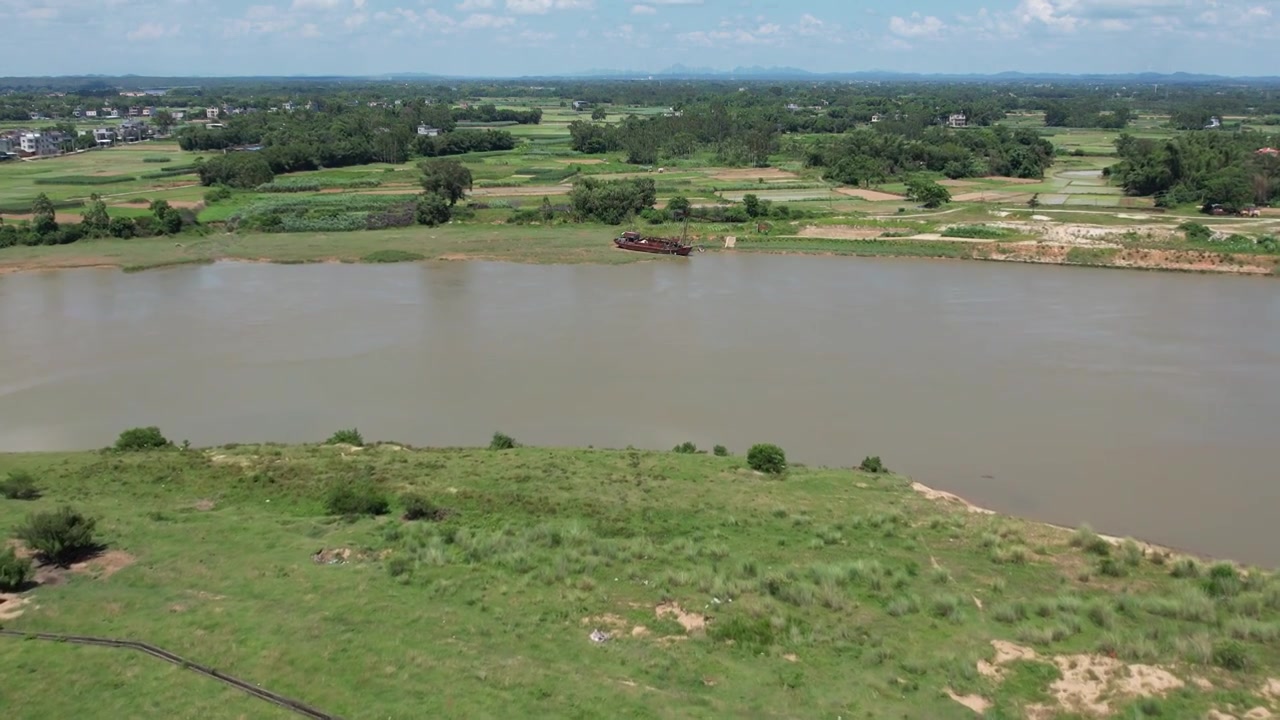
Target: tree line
[
  {"x": 44, "y": 228},
  {"x": 866, "y": 157},
  {"x": 1206, "y": 168}
]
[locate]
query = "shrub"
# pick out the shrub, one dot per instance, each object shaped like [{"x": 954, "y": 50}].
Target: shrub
[
  {"x": 1185, "y": 568},
  {"x": 767, "y": 458},
  {"x": 1230, "y": 655},
  {"x": 1089, "y": 541},
  {"x": 346, "y": 437},
  {"x": 502, "y": 441},
  {"x": 720, "y": 451},
  {"x": 872, "y": 464},
  {"x": 356, "y": 499},
  {"x": 756, "y": 633},
  {"x": 685, "y": 448},
  {"x": 20, "y": 485},
  {"x": 1223, "y": 581},
  {"x": 143, "y": 438},
  {"x": 392, "y": 256},
  {"x": 217, "y": 194},
  {"x": 59, "y": 536},
  {"x": 15, "y": 572},
  {"x": 420, "y": 507},
  {"x": 157, "y": 159}
]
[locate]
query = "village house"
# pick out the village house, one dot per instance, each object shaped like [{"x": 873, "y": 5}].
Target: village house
[
  {"x": 39, "y": 144},
  {"x": 104, "y": 136},
  {"x": 6, "y": 145},
  {"x": 957, "y": 120},
  {"x": 428, "y": 131},
  {"x": 1215, "y": 123},
  {"x": 212, "y": 113},
  {"x": 877, "y": 118},
  {"x": 91, "y": 113},
  {"x": 1270, "y": 151},
  {"x": 581, "y": 104}
]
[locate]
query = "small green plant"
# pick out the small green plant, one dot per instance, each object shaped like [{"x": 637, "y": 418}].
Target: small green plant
[
  {"x": 872, "y": 464},
  {"x": 141, "y": 438},
  {"x": 392, "y": 256},
  {"x": 1089, "y": 541},
  {"x": 685, "y": 448},
  {"x": 502, "y": 441},
  {"x": 60, "y": 536},
  {"x": 20, "y": 485},
  {"x": 720, "y": 451},
  {"x": 346, "y": 437},
  {"x": 767, "y": 458},
  {"x": 1185, "y": 567},
  {"x": 15, "y": 572},
  {"x": 420, "y": 507},
  {"x": 1230, "y": 655},
  {"x": 355, "y": 499}
]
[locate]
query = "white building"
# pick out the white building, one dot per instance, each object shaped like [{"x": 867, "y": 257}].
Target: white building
[
  {"x": 39, "y": 144},
  {"x": 957, "y": 120},
  {"x": 428, "y": 130}
]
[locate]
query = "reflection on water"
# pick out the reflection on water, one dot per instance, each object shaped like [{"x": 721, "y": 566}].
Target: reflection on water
[{"x": 1143, "y": 403}]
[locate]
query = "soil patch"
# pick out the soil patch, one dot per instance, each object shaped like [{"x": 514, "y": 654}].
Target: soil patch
[
  {"x": 691, "y": 622},
  {"x": 12, "y": 606},
  {"x": 104, "y": 565},
  {"x": 956, "y": 183},
  {"x": 840, "y": 232},
  {"x": 335, "y": 556},
  {"x": 1014, "y": 180},
  {"x": 61, "y": 217},
  {"x": 520, "y": 191},
  {"x": 1271, "y": 690},
  {"x": 976, "y": 703},
  {"x": 943, "y": 496},
  {"x": 871, "y": 195},
  {"x": 990, "y": 196},
  {"x": 754, "y": 173},
  {"x": 205, "y": 505}
]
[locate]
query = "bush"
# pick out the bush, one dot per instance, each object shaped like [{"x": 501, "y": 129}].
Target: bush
[
  {"x": 720, "y": 451},
  {"x": 420, "y": 507},
  {"x": 143, "y": 438},
  {"x": 157, "y": 159},
  {"x": 346, "y": 437},
  {"x": 392, "y": 256},
  {"x": 502, "y": 441},
  {"x": 60, "y": 536},
  {"x": 20, "y": 485},
  {"x": 1196, "y": 232},
  {"x": 1230, "y": 655},
  {"x": 767, "y": 458},
  {"x": 15, "y": 572},
  {"x": 217, "y": 194},
  {"x": 872, "y": 464},
  {"x": 685, "y": 448},
  {"x": 356, "y": 499}
]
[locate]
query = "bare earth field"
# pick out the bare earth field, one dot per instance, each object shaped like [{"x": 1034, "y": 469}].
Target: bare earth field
[
  {"x": 871, "y": 195},
  {"x": 768, "y": 174}
]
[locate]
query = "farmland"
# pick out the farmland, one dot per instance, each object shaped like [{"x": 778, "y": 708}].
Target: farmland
[{"x": 721, "y": 592}]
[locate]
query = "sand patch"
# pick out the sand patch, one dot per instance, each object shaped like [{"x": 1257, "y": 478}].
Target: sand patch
[
  {"x": 754, "y": 174},
  {"x": 243, "y": 461},
  {"x": 942, "y": 496},
  {"x": 12, "y": 606},
  {"x": 59, "y": 217},
  {"x": 976, "y": 703},
  {"x": 1258, "y": 713},
  {"x": 871, "y": 195},
  {"x": 1271, "y": 690},
  {"x": 840, "y": 232},
  {"x": 691, "y": 622},
  {"x": 204, "y": 505},
  {"x": 334, "y": 556},
  {"x": 104, "y": 565},
  {"x": 791, "y": 658}
]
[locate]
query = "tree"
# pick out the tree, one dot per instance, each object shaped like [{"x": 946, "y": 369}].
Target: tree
[
  {"x": 433, "y": 210},
  {"x": 141, "y": 438},
  {"x": 679, "y": 206},
  {"x": 599, "y": 114},
  {"x": 15, "y": 572},
  {"x": 751, "y": 204},
  {"x": 545, "y": 210},
  {"x": 96, "y": 221},
  {"x": 168, "y": 219},
  {"x": 448, "y": 179},
  {"x": 927, "y": 192},
  {"x": 43, "y": 216},
  {"x": 1034, "y": 202},
  {"x": 164, "y": 121}
]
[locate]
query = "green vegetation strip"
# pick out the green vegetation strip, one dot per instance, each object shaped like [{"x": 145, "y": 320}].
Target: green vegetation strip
[
  {"x": 153, "y": 651},
  {"x": 516, "y": 580},
  {"x": 84, "y": 180}
]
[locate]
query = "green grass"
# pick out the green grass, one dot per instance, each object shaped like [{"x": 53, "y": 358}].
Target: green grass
[
  {"x": 868, "y": 248},
  {"x": 826, "y": 592}
]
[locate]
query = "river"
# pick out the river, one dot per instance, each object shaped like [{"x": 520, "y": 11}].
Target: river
[{"x": 1144, "y": 403}]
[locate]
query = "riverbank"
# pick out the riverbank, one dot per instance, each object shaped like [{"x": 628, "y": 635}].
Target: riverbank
[
  {"x": 569, "y": 244},
  {"x": 710, "y": 589}
]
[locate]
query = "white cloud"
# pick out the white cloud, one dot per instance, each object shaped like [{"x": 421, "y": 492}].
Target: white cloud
[
  {"x": 487, "y": 21},
  {"x": 357, "y": 4},
  {"x": 354, "y": 21},
  {"x": 474, "y": 5},
  {"x": 916, "y": 26},
  {"x": 1052, "y": 14},
  {"x": 534, "y": 37},
  {"x": 643, "y": 10},
  {"x": 542, "y": 7},
  {"x": 151, "y": 31},
  {"x": 314, "y": 4},
  {"x": 310, "y": 30}
]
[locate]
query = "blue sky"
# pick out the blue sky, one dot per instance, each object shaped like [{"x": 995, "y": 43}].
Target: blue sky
[{"x": 517, "y": 37}]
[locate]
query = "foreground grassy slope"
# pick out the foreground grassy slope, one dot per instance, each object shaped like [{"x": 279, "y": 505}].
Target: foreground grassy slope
[{"x": 823, "y": 593}]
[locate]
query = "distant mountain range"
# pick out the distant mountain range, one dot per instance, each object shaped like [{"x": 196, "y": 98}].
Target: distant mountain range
[{"x": 682, "y": 72}]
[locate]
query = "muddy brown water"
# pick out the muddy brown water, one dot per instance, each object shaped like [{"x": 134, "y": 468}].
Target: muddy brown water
[{"x": 1144, "y": 403}]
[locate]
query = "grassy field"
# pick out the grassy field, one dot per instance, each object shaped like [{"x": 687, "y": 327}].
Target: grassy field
[{"x": 725, "y": 593}]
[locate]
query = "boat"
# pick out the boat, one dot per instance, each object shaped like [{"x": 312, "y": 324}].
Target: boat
[{"x": 633, "y": 240}]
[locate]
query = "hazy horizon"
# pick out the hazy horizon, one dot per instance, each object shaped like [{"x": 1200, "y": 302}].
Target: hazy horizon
[{"x": 515, "y": 38}]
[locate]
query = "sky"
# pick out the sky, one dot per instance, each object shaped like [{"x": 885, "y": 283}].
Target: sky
[{"x": 502, "y": 38}]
